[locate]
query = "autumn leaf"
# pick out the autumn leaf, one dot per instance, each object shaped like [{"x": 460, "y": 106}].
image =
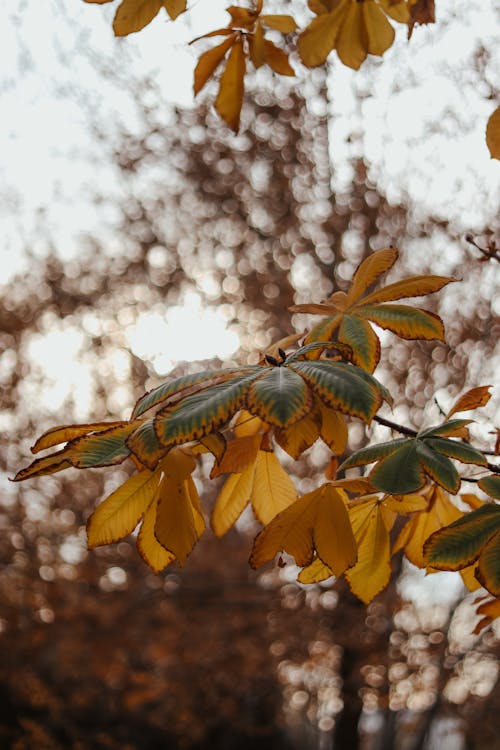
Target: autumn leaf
[
  {"x": 473, "y": 537},
  {"x": 354, "y": 29},
  {"x": 489, "y": 610},
  {"x": 421, "y": 12},
  {"x": 208, "y": 63},
  {"x": 119, "y": 514},
  {"x": 149, "y": 548},
  {"x": 317, "y": 522},
  {"x": 231, "y": 88},
  {"x": 493, "y": 134},
  {"x": 439, "y": 513},
  {"x": 348, "y": 313},
  {"x": 134, "y": 15},
  {"x": 472, "y": 399}
]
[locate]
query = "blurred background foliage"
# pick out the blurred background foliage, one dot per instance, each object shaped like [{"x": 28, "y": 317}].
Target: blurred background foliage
[{"x": 98, "y": 652}]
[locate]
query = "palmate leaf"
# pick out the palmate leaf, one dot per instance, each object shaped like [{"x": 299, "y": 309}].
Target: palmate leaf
[
  {"x": 348, "y": 313},
  {"x": 319, "y": 522},
  {"x": 403, "y": 465}
]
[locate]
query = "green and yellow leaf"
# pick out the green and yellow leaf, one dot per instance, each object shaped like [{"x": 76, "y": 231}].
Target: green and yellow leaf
[
  {"x": 460, "y": 544},
  {"x": 65, "y": 433},
  {"x": 279, "y": 397},
  {"x": 491, "y": 485},
  {"x": 405, "y": 321}
]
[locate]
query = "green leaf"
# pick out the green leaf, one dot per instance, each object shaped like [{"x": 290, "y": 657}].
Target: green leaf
[
  {"x": 144, "y": 444},
  {"x": 359, "y": 335},
  {"x": 162, "y": 392},
  {"x": 405, "y": 321},
  {"x": 458, "y": 545},
  {"x": 103, "y": 449},
  {"x": 373, "y": 452},
  {"x": 460, "y": 451},
  {"x": 442, "y": 430},
  {"x": 438, "y": 467},
  {"x": 343, "y": 349},
  {"x": 197, "y": 415},
  {"x": 324, "y": 330},
  {"x": 491, "y": 485},
  {"x": 343, "y": 386},
  {"x": 400, "y": 473},
  {"x": 279, "y": 397},
  {"x": 488, "y": 569}
]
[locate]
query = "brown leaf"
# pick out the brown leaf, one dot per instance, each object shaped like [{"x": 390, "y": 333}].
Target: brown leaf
[
  {"x": 421, "y": 12},
  {"x": 230, "y": 97},
  {"x": 209, "y": 62}
]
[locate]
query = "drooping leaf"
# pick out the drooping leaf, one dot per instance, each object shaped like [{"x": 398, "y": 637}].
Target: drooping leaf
[
  {"x": 351, "y": 41},
  {"x": 300, "y": 435},
  {"x": 175, "y": 7},
  {"x": 316, "y": 572},
  {"x": 118, "y": 515},
  {"x": 208, "y": 63},
  {"x": 437, "y": 466},
  {"x": 333, "y": 429},
  {"x": 399, "y": 473},
  {"x": 279, "y": 397},
  {"x": 149, "y": 548},
  {"x": 272, "y": 490},
  {"x": 315, "y": 521},
  {"x": 490, "y": 611},
  {"x": 257, "y": 46},
  {"x": 277, "y": 59},
  {"x": 319, "y": 38},
  {"x": 239, "y": 453},
  {"x": 178, "y": 524},
  {"x": 472, "y": 399},
  {"x": 372, "y": 571},
  {"x": 232, "y": 499},
  {"x": 493, "y": 134},
  {"x": 378, "y": 29},
  {"x": 231, "y": 88},
  {"x": 134, "y": 15},
  {"x": 439, "y": 513}
]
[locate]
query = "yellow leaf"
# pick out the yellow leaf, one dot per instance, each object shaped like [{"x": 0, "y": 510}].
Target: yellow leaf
[
  {"x": 403, "y": 504},
  {"x": 177, "y": 526},
  {"x": 318, "y": 39},
  {"x": 440, "y": 512},
  {"x": 472, "y": 399},
  {"x": 469, "y": 578},
  {"x": 378, "y": 29},
  {"x": 290, "y": 530},
  {"x": 368, "y": 272},
  {"x": 273, "y": 490},
  {"x": 240, "y": 453},
  {"x": 149, "y": 548},
  {"x": 232, "y": 499},
  {"x": 178, "y": 464},
  {"x": 351, "y": 42},
  {"x": 333, "y": 429},
  {"x": 318, "y": 521},
  {"x": 300, "y": 436},
  {"x": 118, "y": 515},
  {"x": 315, "y": 572},
  {"x": 230, "y": 97},
  {"x": 285, "y": 24},
  {"x": 372, "y": 571},
  {"x": 247, "y": 424},
  {"x": 493, "y": 134},
  {"x": 208, "y": 63},
  {"x": 333, "y": 537},
  {"x": 175, "y": 7},
  {"x": 396, "y": 10},
  {"x": 134, "y": 15},
  {"x": 472, "y": 500}
]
